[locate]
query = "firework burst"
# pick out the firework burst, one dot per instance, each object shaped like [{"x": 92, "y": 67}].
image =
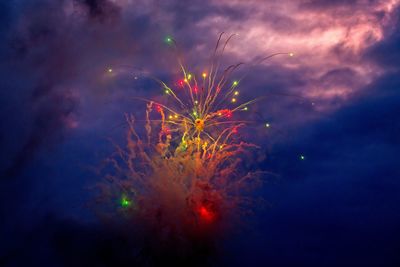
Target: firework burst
[{"x": 186, "y": 175}]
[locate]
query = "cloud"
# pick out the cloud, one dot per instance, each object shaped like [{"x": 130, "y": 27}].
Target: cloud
[
  {"x": 100, "y": 9},
  {"x": 45, "y": 62},
  {"x": 340, "y": 203},
  {"x": 59, "y": 58}
]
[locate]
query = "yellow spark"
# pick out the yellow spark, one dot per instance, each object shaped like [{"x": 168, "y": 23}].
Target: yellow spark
[
  {"x": 236, "y": 93},
  {"x": 219, "y": 114},
  {"x": 245, "y": 108},
  {"x": 170, "y": 117},
  {"x": 233, "y": 100},
  {"x": 204, "y": 74},
  {"x": 205, "y": 145},
  {"x": 291, "y": 54},
  {"x": 199, "y": 124},
  {"x": 189, "y": 76},
  {"x": 175, "y": 116},
  {"x": 186, "y": 80},
  {"x": 196, "y": 102},
  {"x": 110, "y": 70},
  {"x": 167, "y": 91},
  {"x": 235, "y": 83}
]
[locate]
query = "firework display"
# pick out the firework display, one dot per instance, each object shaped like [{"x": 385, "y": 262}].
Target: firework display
[{"x": 185, "y": 176}]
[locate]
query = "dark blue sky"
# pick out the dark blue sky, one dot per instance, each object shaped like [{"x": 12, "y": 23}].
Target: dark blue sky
[{"x": 336, "y": 102}]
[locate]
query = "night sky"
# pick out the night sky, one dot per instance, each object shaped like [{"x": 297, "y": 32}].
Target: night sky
[{"x": 332, "y": 146}]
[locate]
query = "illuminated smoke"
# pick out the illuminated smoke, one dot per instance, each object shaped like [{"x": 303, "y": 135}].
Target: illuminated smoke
[{"x": 185, "y": 176}]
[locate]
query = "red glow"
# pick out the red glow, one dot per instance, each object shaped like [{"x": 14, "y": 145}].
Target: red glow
[
  {"x": 159, "y": 108},
  {"x": 225, "y": 112},
  {"x": 195, "y": 89},
  {"x": 166, "y": 131},
  {"x": 181, "y": 83},
  {"x": 206, "y": 214}
]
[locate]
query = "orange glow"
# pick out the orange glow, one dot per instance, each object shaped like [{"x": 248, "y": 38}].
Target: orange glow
[{"x": 199, "y": 124}]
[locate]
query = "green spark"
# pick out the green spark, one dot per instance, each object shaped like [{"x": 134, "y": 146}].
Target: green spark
[
  {"x": 125, "y": 202},
  {"x": 168, "y": 40}
]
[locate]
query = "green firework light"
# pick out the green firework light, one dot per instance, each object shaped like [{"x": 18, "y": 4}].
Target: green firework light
[{"x": 125, "y": 202}]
